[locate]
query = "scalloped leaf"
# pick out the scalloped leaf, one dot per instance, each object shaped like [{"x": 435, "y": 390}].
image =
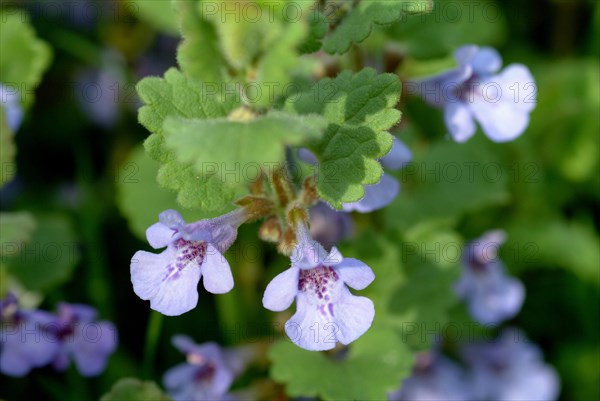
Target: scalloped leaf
[
  {"x": 360, "y": 110},
  {"x": 24, "y": 57},
  {"x": 218, "y": 147},
  {"x": 358, "y": 23},
  {"x": 174, "y": 95},
  {"x": 375, "y": 365}
]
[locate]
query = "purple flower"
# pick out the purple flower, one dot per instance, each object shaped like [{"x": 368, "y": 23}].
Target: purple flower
[
  {"x": 381, "y": 194},
  {"x": 208, "y": 372},
  {"x": 80, "y": 337},
  {"x": 170, "y": 279},
  {"x": 434, "y": 378},
  {"x": 491, "y": 295},
  {"x": 511, "y": 368},
  {"x": 24, "y": 342},
  {"x": 9, "y": 99},
  {"x": 326, "y": 311},
  {"x": 328, "y": 226},
  {"x": 500, "y": 102}
]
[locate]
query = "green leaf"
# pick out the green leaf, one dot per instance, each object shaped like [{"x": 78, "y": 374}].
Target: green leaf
[
  {"x": 375, "y": 365},
  {"x": 234, "y": 144},
  {"x": 448, "y": 180},
  {"x": 130, "y": 389},
  {"x": 553, "y": 242},
  {"x": 24, "y": 57},
  {"x": 317, "y": 29},
  {"x": 357, "y": 25},
  {"x": 50, "y": 256},
  {"x": 15, "y": 230},
  {"x": 177, "y": 97},
  {"x": 158, "y": 13},
  {"x": 140, "y": 199},
  {"x": 199, "y": 54},
  {"x": 360, "y": 110},
  {"x": 8, "y": 150}
]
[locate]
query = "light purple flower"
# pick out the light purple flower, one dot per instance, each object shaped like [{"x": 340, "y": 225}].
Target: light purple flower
[
  {"x": 491, "y": 295},
  {"x": 208, "y": 372},
  {"x": 499, "y": 101},
  {"x": 170, "y": 279},
  {"x": 381, "y": 194},
  {"x": 511, "y": 368},
  {"x": 326, "y": 311},
  {"x": 81, "y": 337},
  {"x": 434, "y": 378},
  {"x": 24, "y": 342},
  {"x": 328, "y": 226},
  {"x": 9, "y": 100}
]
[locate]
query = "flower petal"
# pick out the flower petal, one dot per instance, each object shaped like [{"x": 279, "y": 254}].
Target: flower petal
[
  {"x": 459, "y": 121},
  {"x": 92, "y": 347},
  {"x": 183, "y": 343},
  {"x": 148, "y": 270},
  {"x": 497, "y": 301},
  {"x": 353, "y": 316},
  {"x": 308, "y": 254},
  {"x": 464, "y": 54},
  {"x": 355, "y": 273},
  {"x": 159, "y": 235},
  {"x": 398, "y": 156},
  {"x": 171, "y": 291},
  {"x": 172, "y": 219},
  {"x": 500, "y": 121},
  {"x": 376, "y": 196},
  {"x": 181, "y": 375},
  {"x": 282, "y": 290},
  {"x": 486, "y": 61},
  {"x": 518, "y": 86},
  {"x": 308, "y": 328},
  {"x": 307, "y": 156},
  {"x": 217, "y": 273}
]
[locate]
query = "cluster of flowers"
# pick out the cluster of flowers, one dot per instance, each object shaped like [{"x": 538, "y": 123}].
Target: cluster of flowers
[
  {"x": 35, "y": 338},
  {"x": 509, "y": 368},
  {"x": 317, "y": 279}
]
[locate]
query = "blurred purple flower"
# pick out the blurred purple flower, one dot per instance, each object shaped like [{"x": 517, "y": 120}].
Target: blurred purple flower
[
  {"x": 434, "y": 378},
  {"x": 500, "y": 102},
  {"x": 208, "y": 372},
  {"x": 13, "y": 111},
  {"x": 24, "y": 342},
  {"x": 326, "y": 310},
  {"x": 381, "y": 194},
  {"x": 491, "y": 295},
  {"x": 170, "y": 279},
  {"x": 80, "y": 336},
  {"x": 328, "y": 226},
  {"x": 511, "y": 368}
]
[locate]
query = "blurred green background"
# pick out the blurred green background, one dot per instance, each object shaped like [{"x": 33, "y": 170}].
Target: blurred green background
[{"x": 83, "y": 176}]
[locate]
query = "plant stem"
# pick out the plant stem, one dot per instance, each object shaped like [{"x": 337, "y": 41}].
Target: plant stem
[{"x": 152, "y": 336}]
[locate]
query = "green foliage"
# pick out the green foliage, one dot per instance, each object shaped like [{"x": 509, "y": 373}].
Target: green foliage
[
  {"x": 360, "y": 110},
  {"x": 8, "y": 150},
  {"x": 176, "y": 96},
  {"x": 16, "y": 229},
  {"x": 260, "y": 141},
  {"x": 317, "y": 29},
  {"x": 555, "y": 242},
  {"x": 158, "y": 13},
  {"x": 50, "y": 256},
  {"x": 375, "y": 365},
  {"x": 130, "y": 389},
  {"x": 24, "y": 57},
  {"x": 448, "y": 180},
  {"x": 358, "y": 23},
  {"x": 451, "y": 24},
  {"x": 140, "y": 199},
  {"x": 238, "y": 53}
]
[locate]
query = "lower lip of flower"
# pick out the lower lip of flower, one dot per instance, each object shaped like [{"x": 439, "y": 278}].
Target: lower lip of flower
[{"x": 188, "y": 253}]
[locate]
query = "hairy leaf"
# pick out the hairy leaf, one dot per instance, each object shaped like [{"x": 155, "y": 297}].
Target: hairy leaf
[{"x": 360, "y": 110}]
